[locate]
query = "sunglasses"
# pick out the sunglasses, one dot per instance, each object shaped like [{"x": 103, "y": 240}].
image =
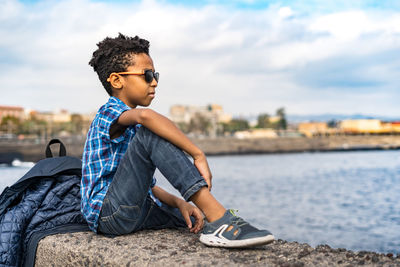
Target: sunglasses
[{"x": 149, "y": 75}]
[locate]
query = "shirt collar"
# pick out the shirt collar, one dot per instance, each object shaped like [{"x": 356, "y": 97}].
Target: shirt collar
[{"x": 115, "y": 100}]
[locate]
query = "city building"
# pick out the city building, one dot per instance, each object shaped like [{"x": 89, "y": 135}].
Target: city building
[
  {"x": 311, "y": 129},
  {"x": 58, "y": 116},
  {"x": 180, "y": 113},
  {"x": 256, "y": 133},
  {"x": 200, "y": 120},
  {"x": 395, "y": 126},
  {"x": 12, "y": 111},
  {"x": 361, "y": 126},
  {"x": 274, "y": 119},
  {"x": 184, "y": 114}
]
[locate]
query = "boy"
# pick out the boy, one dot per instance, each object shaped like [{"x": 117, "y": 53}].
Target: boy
[{"x": 125, "y": 145}]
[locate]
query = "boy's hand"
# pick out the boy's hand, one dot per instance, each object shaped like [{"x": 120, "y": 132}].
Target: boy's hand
[
  {"x": 202, "y": 166},
  {"x": 188, "y": 210}
]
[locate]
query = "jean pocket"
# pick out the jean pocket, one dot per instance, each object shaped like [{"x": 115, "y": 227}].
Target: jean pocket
[
  {"x": 106, "y": 226},
  {"x": 106, "y": 208},
  {"x": 126, "y": 218}
]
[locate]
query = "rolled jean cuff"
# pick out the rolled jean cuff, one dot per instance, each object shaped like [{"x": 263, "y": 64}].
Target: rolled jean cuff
[{"x": 192, "y": 190}]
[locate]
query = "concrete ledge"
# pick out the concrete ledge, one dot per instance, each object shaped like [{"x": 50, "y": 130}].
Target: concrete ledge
[{"x": 179, "y": 247}]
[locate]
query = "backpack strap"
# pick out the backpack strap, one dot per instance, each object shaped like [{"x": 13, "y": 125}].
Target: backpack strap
[{"x": 63, "y": 151}]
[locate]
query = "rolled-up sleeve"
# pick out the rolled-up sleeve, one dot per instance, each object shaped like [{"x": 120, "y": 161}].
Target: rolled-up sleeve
[{"x": 109, "y": 117}]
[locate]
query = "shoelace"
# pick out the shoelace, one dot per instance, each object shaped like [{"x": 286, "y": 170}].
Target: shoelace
[{"x": 237, "y": 220}]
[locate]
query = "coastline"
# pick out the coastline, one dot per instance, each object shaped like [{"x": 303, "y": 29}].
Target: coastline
[
  {"x": 234, "y": 146},
  {"x": 33, "y": 152}
]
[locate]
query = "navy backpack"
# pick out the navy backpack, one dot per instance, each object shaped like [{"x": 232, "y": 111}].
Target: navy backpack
[{"x": 45, "y": 201}]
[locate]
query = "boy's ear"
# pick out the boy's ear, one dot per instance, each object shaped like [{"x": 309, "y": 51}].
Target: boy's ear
[{"x": 115, "y": 81}]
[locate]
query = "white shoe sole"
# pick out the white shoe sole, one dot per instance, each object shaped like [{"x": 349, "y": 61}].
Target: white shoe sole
[{"x": 214, "y": 241}]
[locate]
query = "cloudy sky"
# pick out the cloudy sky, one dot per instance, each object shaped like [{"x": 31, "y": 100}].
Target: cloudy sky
[{"x": 311, "y": 57}]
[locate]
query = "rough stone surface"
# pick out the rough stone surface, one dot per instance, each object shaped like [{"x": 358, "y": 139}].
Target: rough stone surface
[{"x": 179, "y": 247}]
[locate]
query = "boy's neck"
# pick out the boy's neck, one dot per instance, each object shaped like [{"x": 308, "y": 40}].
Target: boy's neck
[{"x": 124, "y": 101}]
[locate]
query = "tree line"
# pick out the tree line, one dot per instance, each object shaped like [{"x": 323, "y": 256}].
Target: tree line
[
  {"x": 198, "y": 125},
  {"x": 38, "y": 127}
]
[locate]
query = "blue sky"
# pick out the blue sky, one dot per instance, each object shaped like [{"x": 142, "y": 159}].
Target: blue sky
[
  {"x": 324, "y": 6},
  {"x": 250, "y": 56}
]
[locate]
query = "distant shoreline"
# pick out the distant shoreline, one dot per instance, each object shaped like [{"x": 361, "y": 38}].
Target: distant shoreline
[
  {"x": 29, "y": 151},
  {"x": 250, "y": 153},
  {"x": 231, "y": 146}
]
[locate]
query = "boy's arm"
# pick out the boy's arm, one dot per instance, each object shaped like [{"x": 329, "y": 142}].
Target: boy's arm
[
  {"x": 185, "y": 208},
  {"x": 166, "y": 129}
]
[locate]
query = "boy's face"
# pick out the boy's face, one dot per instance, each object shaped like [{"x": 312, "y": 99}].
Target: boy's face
[{"x": 135, "y": 91}]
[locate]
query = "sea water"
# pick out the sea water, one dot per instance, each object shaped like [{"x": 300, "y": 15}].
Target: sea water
[{"x": 343, "y": 199}]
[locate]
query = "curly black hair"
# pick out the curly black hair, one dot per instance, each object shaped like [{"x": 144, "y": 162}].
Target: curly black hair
[{"x": 115, "y": 55}]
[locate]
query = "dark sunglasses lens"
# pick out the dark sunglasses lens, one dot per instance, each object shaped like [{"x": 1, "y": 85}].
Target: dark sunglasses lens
[{"x": 150, "y": 75}]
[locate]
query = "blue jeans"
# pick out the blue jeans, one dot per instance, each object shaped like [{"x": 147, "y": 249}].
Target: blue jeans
[{"x": 127, "y": 206}]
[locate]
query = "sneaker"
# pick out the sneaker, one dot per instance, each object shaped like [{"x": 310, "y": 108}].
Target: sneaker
[{"x": 231, "y": 231}]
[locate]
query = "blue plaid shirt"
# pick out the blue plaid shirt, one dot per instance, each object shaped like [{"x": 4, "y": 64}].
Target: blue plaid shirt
[{"x": 101, "y": 157}]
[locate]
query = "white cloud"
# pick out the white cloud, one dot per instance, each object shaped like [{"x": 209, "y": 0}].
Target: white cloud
[
  {"x": 285, "y": 12},
  {"x": 249, "y": 61}
]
